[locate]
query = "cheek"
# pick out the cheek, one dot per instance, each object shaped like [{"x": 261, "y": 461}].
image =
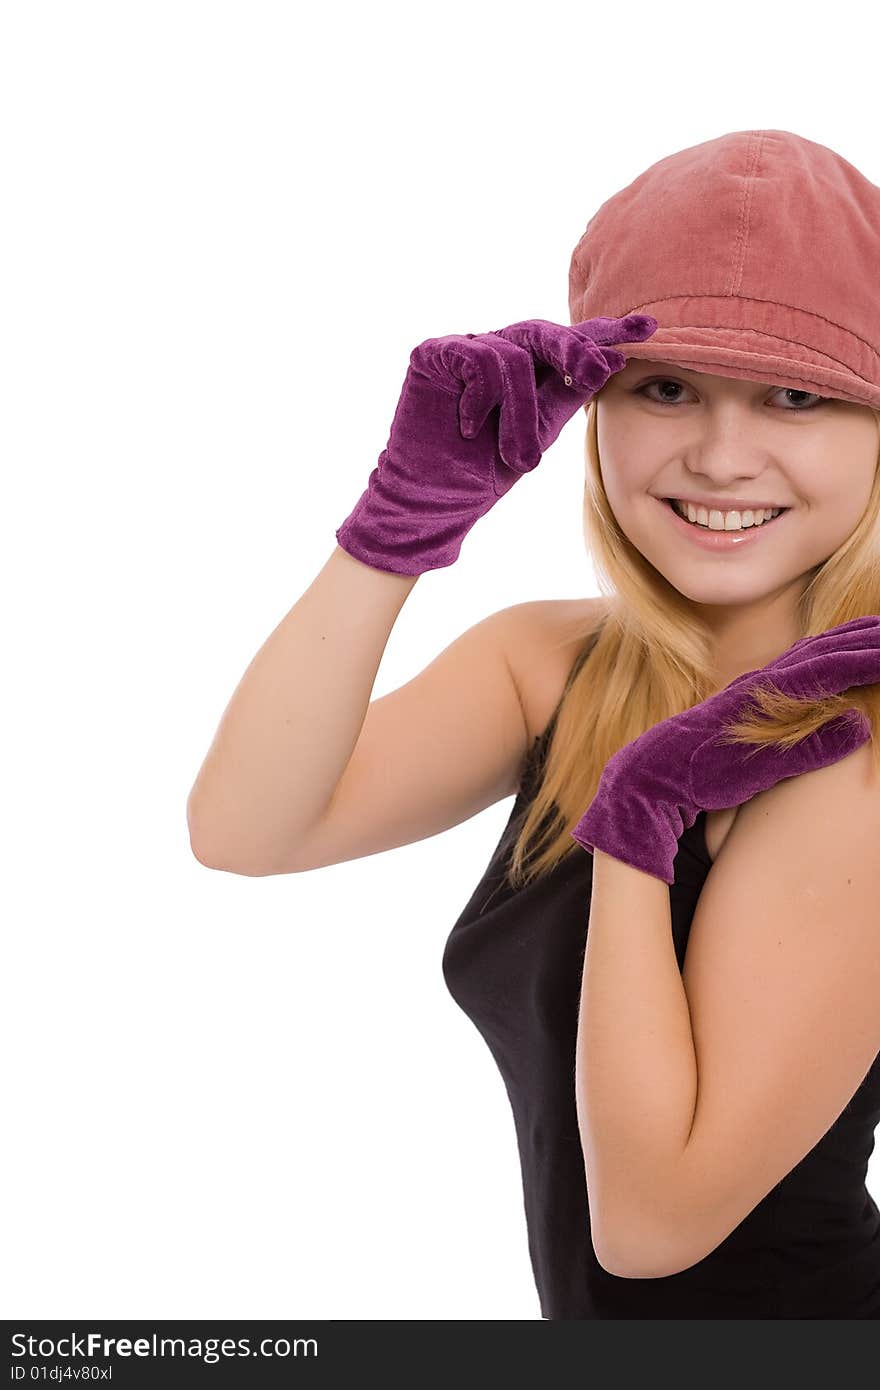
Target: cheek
[
  {"x": 628, "y": 491},
  {"x": 624, "y": 467},
  {"x": 834, "y": 508}
]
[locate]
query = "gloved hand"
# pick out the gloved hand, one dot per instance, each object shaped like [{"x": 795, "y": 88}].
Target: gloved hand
[
  {"x": 655, "y": 786},
  {"x": 452, "y": 453}
]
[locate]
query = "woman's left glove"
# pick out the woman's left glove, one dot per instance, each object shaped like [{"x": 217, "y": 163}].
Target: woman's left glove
[{"x": 655, "y": 787}]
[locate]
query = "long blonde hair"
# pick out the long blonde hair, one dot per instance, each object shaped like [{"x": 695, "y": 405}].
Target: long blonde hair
[{"x": 648, "y": 658}]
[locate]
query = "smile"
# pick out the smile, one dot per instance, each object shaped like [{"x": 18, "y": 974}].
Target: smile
[{"x": 716, "y": 538}]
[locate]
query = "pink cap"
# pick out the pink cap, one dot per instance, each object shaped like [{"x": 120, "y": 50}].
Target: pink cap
[{"x": 759, "y": 255}]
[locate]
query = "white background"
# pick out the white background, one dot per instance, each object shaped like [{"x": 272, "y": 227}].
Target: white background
[{"x": 224, "y": 228}]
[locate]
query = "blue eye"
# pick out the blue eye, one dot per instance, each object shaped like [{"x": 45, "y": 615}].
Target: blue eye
[{"x": 790, "y": 390}]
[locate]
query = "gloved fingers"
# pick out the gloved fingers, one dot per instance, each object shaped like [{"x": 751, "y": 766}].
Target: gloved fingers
[
  {"x": 829, "y": 661},
  {"x": 631, "y": 328},
  {"x": 857, "y": 635},
  {"x": 753, "y": 768},
  {"x": 578, "y": 363},
  {"x": 581, "y": 356},
  {"x": 570, "y": 365},
  {"x": 494, "y": 373},
  {"x": 529, "y": 424},
  {"x": 851, "y": 636},
  {"x": 830, "y": 674}
]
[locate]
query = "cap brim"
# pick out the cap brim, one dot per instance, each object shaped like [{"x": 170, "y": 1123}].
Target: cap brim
[{"x": 699, "y": 350}]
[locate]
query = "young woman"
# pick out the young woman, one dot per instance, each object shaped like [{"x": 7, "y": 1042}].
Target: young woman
[{"x": 690, "y": 1039}]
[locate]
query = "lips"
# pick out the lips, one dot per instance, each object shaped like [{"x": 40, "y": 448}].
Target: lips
[{"x": 721, "y": 540}]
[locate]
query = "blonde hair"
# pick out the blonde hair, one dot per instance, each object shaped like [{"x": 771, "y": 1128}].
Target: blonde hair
[{"x": 648, "y": 657}]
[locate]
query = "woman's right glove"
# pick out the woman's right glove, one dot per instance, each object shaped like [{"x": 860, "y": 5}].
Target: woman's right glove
[
  {"x": 653, "y": 788},
  {"x": 453, "y": 452}
]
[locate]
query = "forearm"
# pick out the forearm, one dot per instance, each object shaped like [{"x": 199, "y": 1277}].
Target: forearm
[
  {"x": 636, "y": 1066},
  {"x": 290, "y": 728}
]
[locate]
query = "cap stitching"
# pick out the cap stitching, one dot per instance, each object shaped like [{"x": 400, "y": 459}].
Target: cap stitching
[
  {"x": 745, "y": 209},
  {"x": 746, "y": 352},
  {"x": 720, "y": 328}
]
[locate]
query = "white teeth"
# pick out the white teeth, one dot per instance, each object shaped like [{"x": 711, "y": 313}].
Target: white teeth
[{"x": 725, "y": 521}]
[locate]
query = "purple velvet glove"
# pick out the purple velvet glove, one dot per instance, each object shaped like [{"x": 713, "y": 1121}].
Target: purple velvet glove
[
  {"x": 655, "y": 786},
  {"x": 453, "y": 452}
]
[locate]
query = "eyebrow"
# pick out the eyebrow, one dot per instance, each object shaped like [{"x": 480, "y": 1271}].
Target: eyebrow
[{"x": 672, "y": 369}]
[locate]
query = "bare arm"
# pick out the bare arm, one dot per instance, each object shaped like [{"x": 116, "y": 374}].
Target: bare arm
[{"x": 292, "y": 723}]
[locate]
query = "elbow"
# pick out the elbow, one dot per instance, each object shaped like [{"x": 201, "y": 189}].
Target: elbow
[
  {"x": 198, "y": 842},
  {"x": 209, "y": 853},
  {"x": 205, "y": 855},
  {"x": 216, "y": 853},
  {"x": 634, "y": 1248},
  {"x": 642, "y": 1263},
  {"x": 617, "y": 1258},
  {"x": 197, "y": 839},
  {"x": 214, "y": 861},
  {"x": 607, "y": 1248}
]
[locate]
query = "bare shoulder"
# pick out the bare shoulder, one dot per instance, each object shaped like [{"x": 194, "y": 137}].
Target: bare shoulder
[{"x": 541, "y": 642}]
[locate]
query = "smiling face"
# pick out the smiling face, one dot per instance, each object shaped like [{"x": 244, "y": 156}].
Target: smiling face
[{"x": 701, "y": 436}]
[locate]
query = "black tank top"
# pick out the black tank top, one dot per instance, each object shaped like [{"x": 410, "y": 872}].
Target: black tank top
[{"x": 513, "y": 962}]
